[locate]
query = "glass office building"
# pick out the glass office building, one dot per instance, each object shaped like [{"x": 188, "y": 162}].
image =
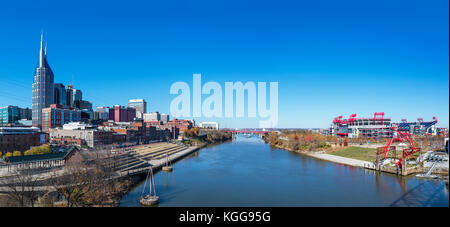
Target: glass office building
[{"x": 43, "y": 87}]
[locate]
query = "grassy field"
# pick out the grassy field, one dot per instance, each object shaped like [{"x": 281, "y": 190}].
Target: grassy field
[{"x": 360, "y": 153}]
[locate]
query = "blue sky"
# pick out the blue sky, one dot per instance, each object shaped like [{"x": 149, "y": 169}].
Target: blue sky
[{"x": 330, "y": 58}]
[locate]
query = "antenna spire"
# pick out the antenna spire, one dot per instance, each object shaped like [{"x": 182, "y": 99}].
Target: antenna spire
[{"x": 41, "y": 52}]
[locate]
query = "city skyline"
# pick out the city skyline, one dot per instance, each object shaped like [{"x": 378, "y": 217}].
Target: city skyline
[{"x": 398, "y": 65}]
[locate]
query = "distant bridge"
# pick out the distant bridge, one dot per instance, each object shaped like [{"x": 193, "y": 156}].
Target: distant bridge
[{"x": 245, "y": 131}]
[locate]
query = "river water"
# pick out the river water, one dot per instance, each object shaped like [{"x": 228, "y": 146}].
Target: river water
[{"x": 247, "y": 172}]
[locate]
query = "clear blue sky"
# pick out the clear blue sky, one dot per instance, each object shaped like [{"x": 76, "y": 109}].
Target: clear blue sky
[{"x": 330, "y": 58}]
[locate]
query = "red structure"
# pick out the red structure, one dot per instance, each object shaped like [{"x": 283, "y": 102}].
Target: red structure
[
  {"x": 375, "y": 117},
  {"x": 374, "y": 127},
  {"x": 402, "y": 136},
  {"x": 248, "y": 131},
  {"x": 339, "y": 121}
]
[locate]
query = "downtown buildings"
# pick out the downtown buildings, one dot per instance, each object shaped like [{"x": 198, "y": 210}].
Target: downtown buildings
[
  {"x": 164, "y": 118},
  {"x": 101, "y": 114},
  {"x": 153, "y": 116},
  {"x": 140, "y": 105},
  {"x": 156, "y": 116},
  {"x": 10, "y": 115},
  {"x": 57, "y": 115},
  {"x": 56, "y": 106},
  {"x": 53, "y": 105},
  {"x": 122, "y": 114}
]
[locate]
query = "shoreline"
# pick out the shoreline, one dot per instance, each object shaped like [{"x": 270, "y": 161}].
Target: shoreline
[
  {"x": 158, "y": 164},
  {"x": 321, "y": 155}
]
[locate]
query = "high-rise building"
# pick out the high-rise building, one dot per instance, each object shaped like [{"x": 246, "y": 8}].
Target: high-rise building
[
  {"x": 73, "y": 95},
  {"x": 25, "y": 113},
  {"x": 165, "y": 118},
  {"x": 60, "y": 95},
  {"x": 9, "y": 114},
  {"x": 43, "y": 88},
  {"x": 69, "y": 95},
  {"x": 74, "y": 98},
  {"x": 77, "y": 95},
  {"x": 101, "y": 113},
  {"x": 83, "y": 105},
  {"x": 140, "y": 105}
]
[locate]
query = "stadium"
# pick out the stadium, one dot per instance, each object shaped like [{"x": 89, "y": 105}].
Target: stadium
[{"x": 379, "y": 126}]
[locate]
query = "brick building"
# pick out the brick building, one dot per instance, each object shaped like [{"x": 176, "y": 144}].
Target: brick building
[
  {"x": 57, "y": 115},
  {"x": 182, "y": 125},
  {"x": 19, "y": 138},
  {"x": 122, "y": 114}
]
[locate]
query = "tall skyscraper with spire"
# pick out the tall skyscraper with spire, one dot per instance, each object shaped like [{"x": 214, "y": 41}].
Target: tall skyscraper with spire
[{"x": 43, "y": 86}]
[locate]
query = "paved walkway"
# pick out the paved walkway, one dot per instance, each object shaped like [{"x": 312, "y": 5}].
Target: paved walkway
[{"x": 343, "y": 160}]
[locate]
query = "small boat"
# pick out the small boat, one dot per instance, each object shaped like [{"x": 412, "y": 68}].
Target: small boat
[
  {"x": 167, "y": 168},
  {"x": 151, "y": 198}
]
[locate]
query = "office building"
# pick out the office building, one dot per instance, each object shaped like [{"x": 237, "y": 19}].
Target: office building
[
  {"x": 153, "y": 116},
  {"x": 165, "y": 118},
  {"x": 60, "y": 96},
  {"x": 43, "y": 87},
  {"x": 57, "y": 115},
  {"x": 77, "y": 95},
  {"x": 73, "y": 95},
  {"x": 69, "y": 95},
  {"x": 140, "y": 105},
  {"x": 83, "y": 105},
  {"x": 122, "y": 114},
  {"x": 101, "y": 113},
  {"x": 9, "y": 115},
  {"x": 25, "y": 113}
]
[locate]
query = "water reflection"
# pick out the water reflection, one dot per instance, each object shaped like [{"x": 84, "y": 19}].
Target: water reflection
[{"x": 247, "y": 172}]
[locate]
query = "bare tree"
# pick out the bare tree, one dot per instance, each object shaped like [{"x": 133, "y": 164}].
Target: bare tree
[
  {"x": 89, "y": 180},
  {"x": 21, "y": 187}
]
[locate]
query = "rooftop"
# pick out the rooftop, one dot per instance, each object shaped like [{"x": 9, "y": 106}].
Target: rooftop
[
  {"x": 18, "y": 130},
  {"x": 38, "y": 158}
]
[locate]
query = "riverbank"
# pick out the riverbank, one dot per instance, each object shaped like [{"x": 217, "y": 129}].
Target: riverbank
[
  {"x": 209, "y": 178},
  {"x": 352, "y": 162},
  {"x": 333, "y": 158},
  {"x": 157, "y": 166}
]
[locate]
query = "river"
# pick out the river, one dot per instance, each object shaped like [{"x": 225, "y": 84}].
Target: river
[{"x": 247, "y": 172}]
